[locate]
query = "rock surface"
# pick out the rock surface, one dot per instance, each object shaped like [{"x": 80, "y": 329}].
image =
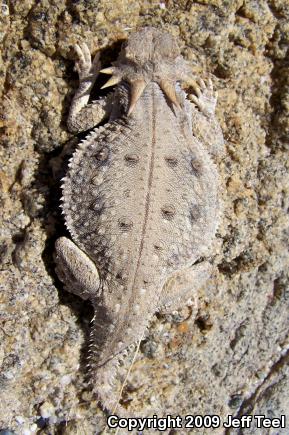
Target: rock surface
[{"x": 232, "y": 358}]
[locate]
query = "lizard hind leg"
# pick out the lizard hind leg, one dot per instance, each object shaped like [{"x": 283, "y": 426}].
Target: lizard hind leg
[
  {"x": 183, "y": 286},
  {"x": 75, "y": 269}
]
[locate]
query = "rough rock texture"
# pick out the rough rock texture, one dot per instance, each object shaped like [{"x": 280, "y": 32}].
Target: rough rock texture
[{"x": 233, "y": 357}]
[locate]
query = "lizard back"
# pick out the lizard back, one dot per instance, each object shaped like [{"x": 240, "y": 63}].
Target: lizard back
[{"x": 141, "y": 207}]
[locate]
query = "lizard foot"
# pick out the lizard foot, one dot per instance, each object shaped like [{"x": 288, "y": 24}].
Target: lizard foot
[
  {"x": 87, "y": 70},
  {"x": 205, "y": 98}
]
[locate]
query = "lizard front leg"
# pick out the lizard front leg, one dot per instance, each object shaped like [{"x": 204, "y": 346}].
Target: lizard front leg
[
  {"x": 83, "y": 116},
  {"x": 204, "y": 123},
  {"x": 75, "y": 269}
]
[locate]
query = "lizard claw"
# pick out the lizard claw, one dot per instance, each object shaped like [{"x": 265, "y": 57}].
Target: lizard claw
[{"x": 84, "y": 66}]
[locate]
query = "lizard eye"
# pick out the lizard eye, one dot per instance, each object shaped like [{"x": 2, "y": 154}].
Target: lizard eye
[{"x": 125, "y": 224}]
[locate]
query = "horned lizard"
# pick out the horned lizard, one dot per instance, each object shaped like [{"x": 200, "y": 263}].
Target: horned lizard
[{"x": 140, "y": 198}]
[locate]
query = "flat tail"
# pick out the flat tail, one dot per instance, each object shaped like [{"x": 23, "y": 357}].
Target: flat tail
[
  {"x": 108, "y": 378},
  {"x": 107, "y": 385}
]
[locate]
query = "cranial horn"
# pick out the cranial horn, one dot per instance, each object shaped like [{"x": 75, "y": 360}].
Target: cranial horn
[
  {"x": 137, "y": 88},
  {"x": 170, "y": 92},
  {"x": 109, "y": 70},
  {"x": 111, "y": 82}
]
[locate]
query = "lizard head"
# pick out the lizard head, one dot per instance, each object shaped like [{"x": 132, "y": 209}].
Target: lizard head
[{"x": 149, "y": 55}]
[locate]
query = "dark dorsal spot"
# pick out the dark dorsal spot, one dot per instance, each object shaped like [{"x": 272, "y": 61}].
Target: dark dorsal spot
[
  {"x": 102, "y": 155},
  {"x": 131, "y": 159},
  {"x": 121, "y": 276},
  {"x": 171, "y": 161},
  {"x": 196, "y": 166},
  {"x": 168, "y": 211},
  {"x": 159, "y": 246},
  {"x": 195, "y": 213},
  {"x": 125, "y": 224}
]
